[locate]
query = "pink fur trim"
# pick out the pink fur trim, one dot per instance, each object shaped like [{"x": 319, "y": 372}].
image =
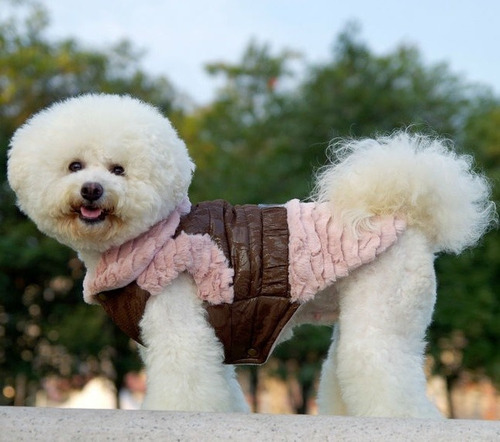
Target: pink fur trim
[
  {"x": 155, "y": 259},
  {"x": 201, "y": 258},
  {"x": 321, "y": 250}
]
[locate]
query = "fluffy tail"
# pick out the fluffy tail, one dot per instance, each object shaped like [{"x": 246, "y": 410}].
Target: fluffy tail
[{"x": 413, "y": 176}]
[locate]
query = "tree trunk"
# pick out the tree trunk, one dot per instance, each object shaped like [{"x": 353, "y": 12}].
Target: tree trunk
[
  {"x": 450, "y": 380},
  {"x": 254, "y": 385},
  {"x": 20, "y": 395},
  {"x": 305, "y": 390}
]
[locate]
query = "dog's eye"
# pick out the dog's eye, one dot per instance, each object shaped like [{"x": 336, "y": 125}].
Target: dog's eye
[
  {"x": 117, "y": 170},
  {"x": 75, "y": 166}
]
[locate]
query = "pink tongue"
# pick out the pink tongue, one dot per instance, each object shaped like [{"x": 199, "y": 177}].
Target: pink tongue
[{"x": 90, "y": 213}]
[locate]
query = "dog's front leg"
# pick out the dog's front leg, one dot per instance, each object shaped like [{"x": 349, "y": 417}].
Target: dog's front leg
[
  {"x": 183, "y": 357},
  {"x": 385, "y": 308}
]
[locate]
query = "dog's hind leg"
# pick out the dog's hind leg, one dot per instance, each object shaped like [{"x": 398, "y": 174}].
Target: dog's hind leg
[
  {"x": 183, "y": 357},
  {"x": 329, "y": 396},
  {"x": 385, "y": 308}
]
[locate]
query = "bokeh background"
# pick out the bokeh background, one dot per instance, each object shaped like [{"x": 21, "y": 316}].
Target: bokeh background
[{"x": 258, "y": 89}]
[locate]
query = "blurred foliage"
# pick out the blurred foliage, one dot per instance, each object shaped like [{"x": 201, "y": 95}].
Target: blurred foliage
[
  {"x": 259, "y": 141},
  {"x": 466, "y": 330}
]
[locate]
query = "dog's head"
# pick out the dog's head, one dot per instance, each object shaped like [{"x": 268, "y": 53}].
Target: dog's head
[{"x": 97, "y": 170}]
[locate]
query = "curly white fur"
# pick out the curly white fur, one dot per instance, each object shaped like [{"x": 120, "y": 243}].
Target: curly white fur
[
  {"x": 375, "y": 364},
  {"x": 414, "y": 176}
]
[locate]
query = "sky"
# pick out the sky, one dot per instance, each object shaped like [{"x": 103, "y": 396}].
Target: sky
[{"x": 180, "y": 36}]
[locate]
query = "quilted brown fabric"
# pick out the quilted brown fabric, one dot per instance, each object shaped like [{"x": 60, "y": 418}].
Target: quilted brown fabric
[{"x": 255, "y": 242}]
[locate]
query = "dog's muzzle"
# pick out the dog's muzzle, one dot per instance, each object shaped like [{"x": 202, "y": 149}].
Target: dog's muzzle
[{"x": 90, "y": 212}]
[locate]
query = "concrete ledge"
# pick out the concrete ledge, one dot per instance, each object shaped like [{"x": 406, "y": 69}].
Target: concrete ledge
[{"x": 55, "y": 424}]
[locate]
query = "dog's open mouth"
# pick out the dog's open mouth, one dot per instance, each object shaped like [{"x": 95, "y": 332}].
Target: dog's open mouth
[{"x": 91, "y": 214}]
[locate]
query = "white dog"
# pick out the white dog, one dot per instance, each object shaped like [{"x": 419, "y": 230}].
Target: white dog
[{"x": 108, "y": 176}]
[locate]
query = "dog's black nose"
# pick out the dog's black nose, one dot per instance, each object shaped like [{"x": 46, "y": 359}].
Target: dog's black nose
[{"x": 91, "y": 191}]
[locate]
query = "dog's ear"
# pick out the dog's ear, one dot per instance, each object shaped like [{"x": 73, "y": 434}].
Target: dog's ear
[{"x": 18, "y": 175}]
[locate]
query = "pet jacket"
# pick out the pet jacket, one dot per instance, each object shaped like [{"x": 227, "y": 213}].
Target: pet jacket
[{"x": 252, "y": 265}]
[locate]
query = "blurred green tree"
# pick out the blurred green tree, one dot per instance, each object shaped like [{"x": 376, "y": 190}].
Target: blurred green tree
[{"x": 241, "y": 131}]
